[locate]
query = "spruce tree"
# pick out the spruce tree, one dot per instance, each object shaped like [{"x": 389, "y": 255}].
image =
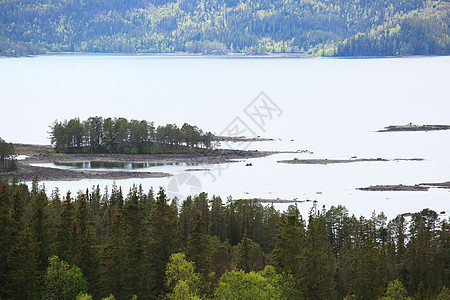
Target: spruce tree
[
  {"x": 39, "y": 228},
  {"x": 318, "y": 265},
  {"x": 114, "y": 261},
  {"x": 134, "y": 246},
  {"x": 163, "y": 240},
  {"x": 85, "y": 254},
  {"x": 199, "y": 248},
  {"x": 64, "y": 230},
  {"x": 288, "y": 253},
  {"x": 22, "y": 278}
]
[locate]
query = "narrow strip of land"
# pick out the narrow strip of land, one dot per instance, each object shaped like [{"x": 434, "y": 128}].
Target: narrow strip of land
[
  {"x": 278, "y": 200},
  {"x": 225, "y": 138},
  {"x": 395, "y": 187},
  {"x": 413, "y": 127},
  {"x": 400, "y": 187},
  {"x": 326, "y": 161}
]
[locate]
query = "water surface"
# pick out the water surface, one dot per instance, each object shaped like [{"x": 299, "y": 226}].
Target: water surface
[{"x": 332, "y": 107}]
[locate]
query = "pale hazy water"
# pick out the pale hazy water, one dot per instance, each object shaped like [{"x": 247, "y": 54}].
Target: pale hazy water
[{"x": 330, "y": 106}]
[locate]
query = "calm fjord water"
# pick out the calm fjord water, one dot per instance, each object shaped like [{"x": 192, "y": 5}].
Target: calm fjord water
[{"x": 331, "y": 107}]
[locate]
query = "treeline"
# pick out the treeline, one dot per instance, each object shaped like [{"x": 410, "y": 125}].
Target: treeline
[
  {"x": 95, "y": 245},
  {"x": 207, "y": 26},
  {"x": 118, "y": 135},
  {"x": 7, "y": 156}
]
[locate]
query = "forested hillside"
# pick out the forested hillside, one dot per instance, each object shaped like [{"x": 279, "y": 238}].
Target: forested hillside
[
  {"x": 95, "y": 245},
  {"x": 324, "y": 27}
]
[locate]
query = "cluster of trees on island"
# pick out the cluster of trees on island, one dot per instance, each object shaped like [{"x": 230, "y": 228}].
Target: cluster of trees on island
[
  {"x": 216, "y": 26},
  {"x": 106, "y": 245},
  {"x": 118, "y": 135}
]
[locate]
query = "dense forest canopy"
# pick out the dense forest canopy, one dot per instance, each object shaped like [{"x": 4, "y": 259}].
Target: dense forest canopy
[
  {"x": 96, "y": 245},
  {"x": 325, "y": 27},
  {"x": 118, "y": 135}
]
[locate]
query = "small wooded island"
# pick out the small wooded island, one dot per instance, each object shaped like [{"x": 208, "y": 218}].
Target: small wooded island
[{"x": 118, "y": 140}]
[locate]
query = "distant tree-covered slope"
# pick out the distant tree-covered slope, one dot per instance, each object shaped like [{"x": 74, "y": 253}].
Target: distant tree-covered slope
[
  {"x": 420, "y": 32},
  {"x": 208, "y": 26}
]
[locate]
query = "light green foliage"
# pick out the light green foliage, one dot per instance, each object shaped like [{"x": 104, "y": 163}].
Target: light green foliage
[
  {"x": 395, "y": 291},
  {"x": 182, "y": 291},
  {"x": 444, "y": 294},
  {"x": 61, "y": 281},
  {"x": 266, "y": 284},
  {"x": 180, "y": 270},
  {"x": 238, "y": 285},
  {"x": 283, "y": 283},
  {"x": 83, "y": 296}
]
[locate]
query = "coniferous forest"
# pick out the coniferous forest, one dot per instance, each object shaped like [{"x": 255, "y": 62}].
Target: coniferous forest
[
  {"x": 139, "y": 245},
  {"x": 329, "y": 27}
]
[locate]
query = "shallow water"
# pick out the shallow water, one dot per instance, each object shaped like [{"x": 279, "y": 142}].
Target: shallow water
[
  {"x": 110, "y": 165},
  {"x": 332, "y": 107}
]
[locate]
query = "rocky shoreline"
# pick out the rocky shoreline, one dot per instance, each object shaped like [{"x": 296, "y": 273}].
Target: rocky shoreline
[{"x": 41, "y": 154}]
